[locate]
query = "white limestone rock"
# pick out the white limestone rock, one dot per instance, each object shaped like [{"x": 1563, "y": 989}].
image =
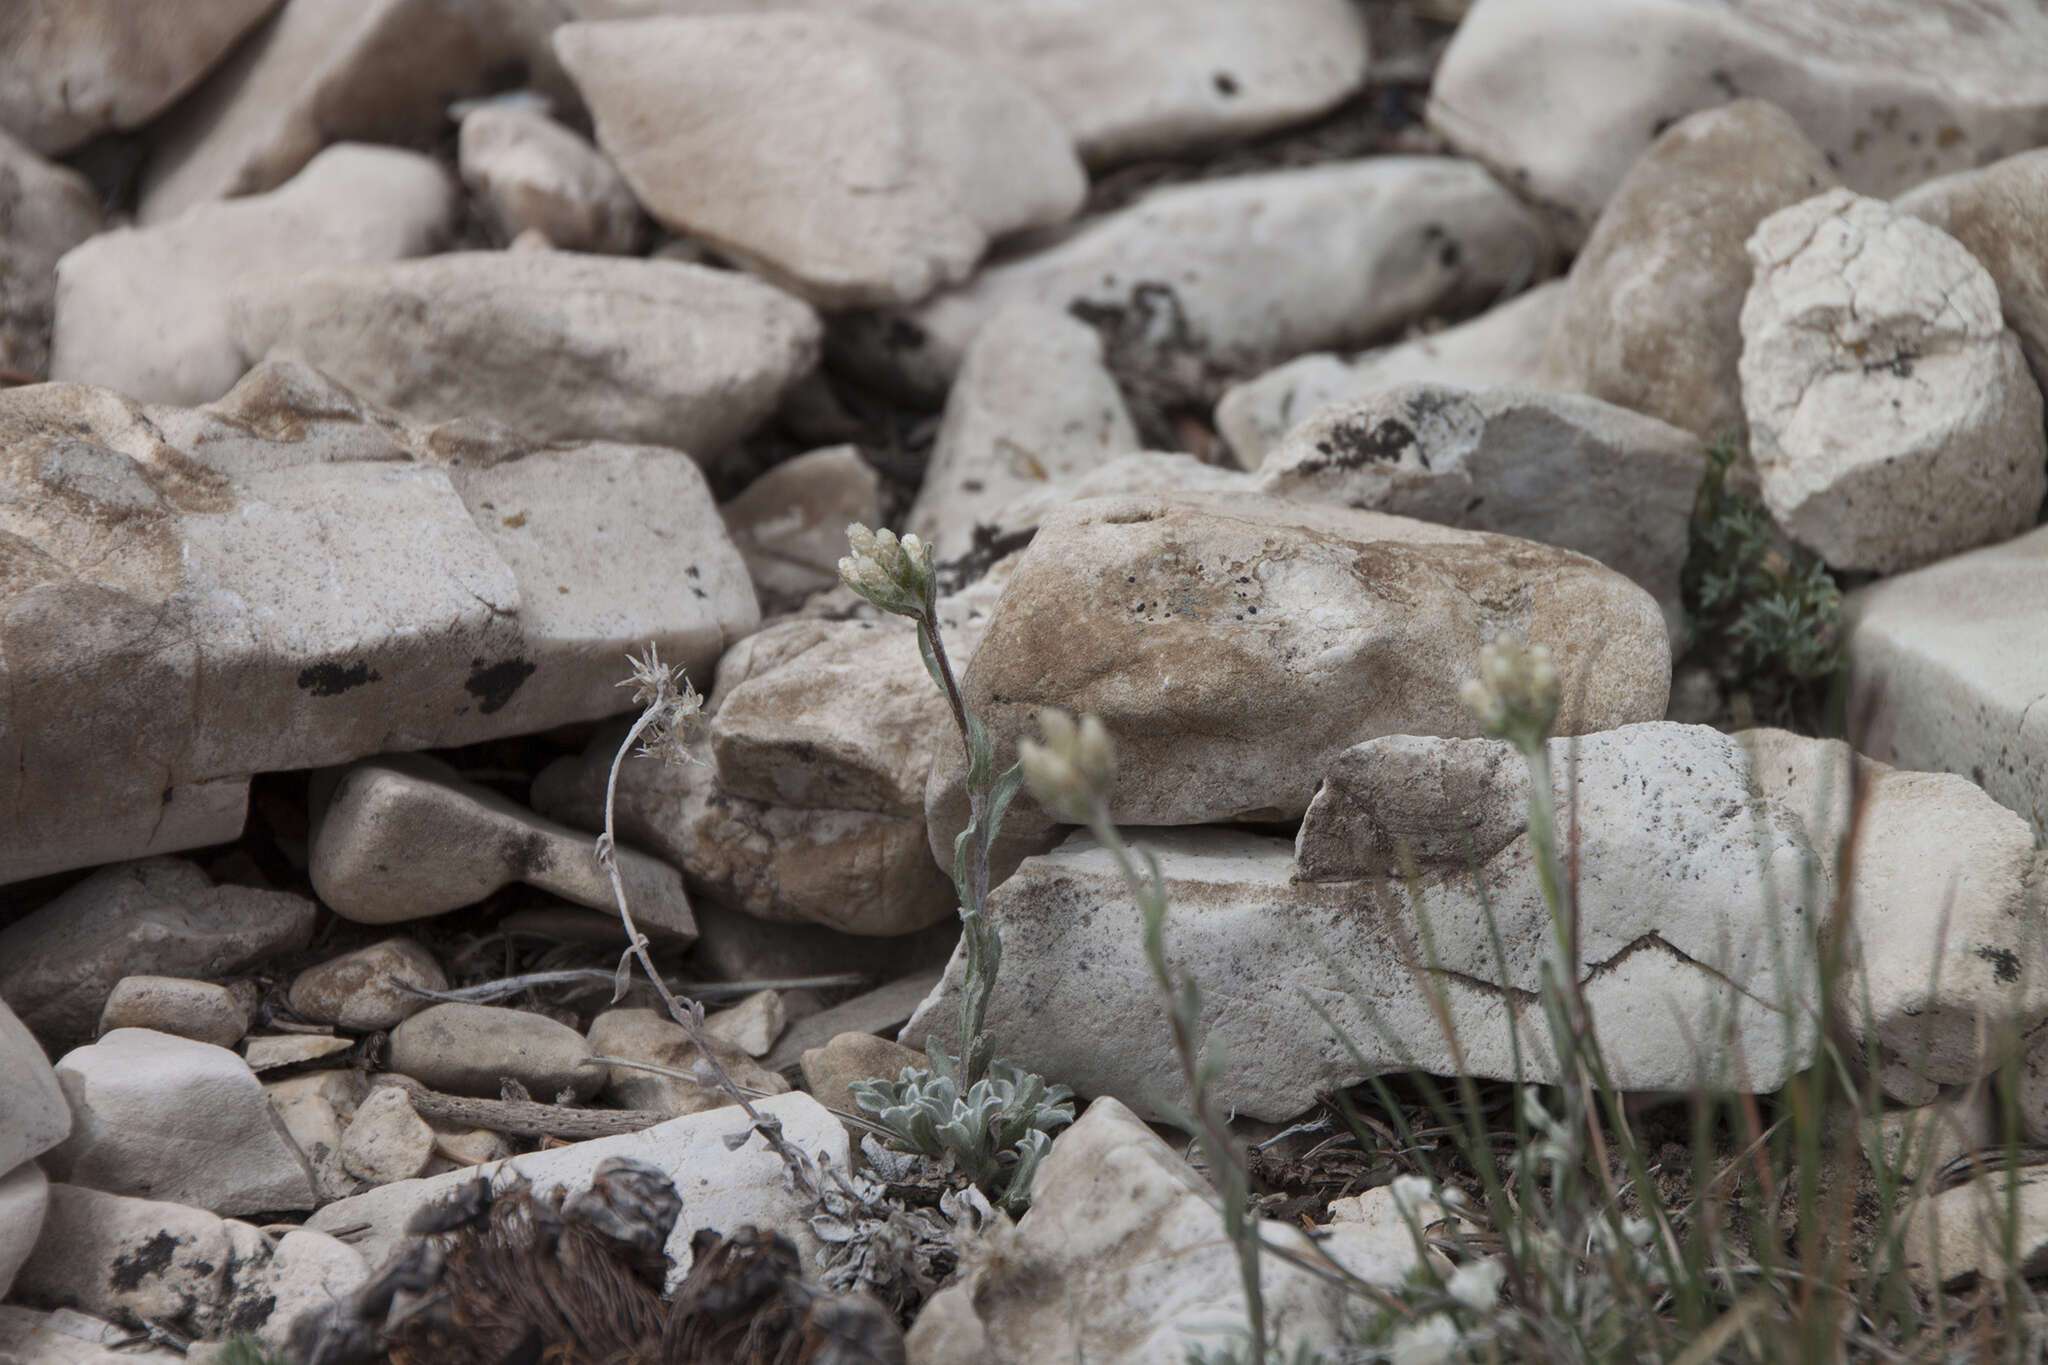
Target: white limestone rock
[
  {"x": 1892, "y": 91},
  {"x": 134, "y": 1260},
  {"x": 1234, "y": 643},
  {"x": 144, "y": 1262},
  {"x": 1140, "y": 78},
  {"x": 371, "y": 71},
  {"x": 199, "y": 1010},
  {"x": 366, "y": 989},
  {"x": 1892, "y": 417},
  {"x": 1651, "y": 317},
  {"x": 1691, "y": 952},
  {"x": 529, "y": 172},
  {"x": 386, "y": 1141},
  {"x": 61, "y": 963},
  {"x": 1945, "y": 667},
  {"x": 2000, "y": 212},
  {"x": 24, "y": 1198},
  {"x": 651, "y": 1036},
  {"x": 752, "y": 1025},
  {"x": 790, "y": 524},
  {"x": 1033, "y": 409},
  {"x": 162, "y": 1117},
  {"x": 1246, "y": 270},
  {"x": 35, "y": 1115},
  {"x": 721, "y": 1186},
  {"x": 294, "y": 578},
  {"x": 472, "y": 1049},
  {"x": 1706, "y": 875},
  {"x": 1946, "y": 934},
  {"x": 559, "y": 346},
  {"x": 73, "y": 69},
  {"x": 404, "y": 837},
  {"x": 1503, "y": 345},
  {"x": 1122, "y": 1260},
  {"x": 855, "y": 164},
  {"x": 865, "y": 872},
  {"x": 1558, "y": 469},
  {"x": 145, "y": 310}
]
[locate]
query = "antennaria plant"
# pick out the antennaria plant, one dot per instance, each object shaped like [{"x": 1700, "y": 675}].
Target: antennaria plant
[{"x": 994, "y": 1119}]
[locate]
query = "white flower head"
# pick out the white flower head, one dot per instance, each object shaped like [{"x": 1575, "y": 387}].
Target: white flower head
[
  {"x": 1476, "y": 1284},
  {"x": 895, "y": 575},
  {"x": 1515, "y": 696}
]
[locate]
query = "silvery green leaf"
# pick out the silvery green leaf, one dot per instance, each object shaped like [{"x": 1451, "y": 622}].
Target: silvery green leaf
[
  {"x": 1000, "y": 796},
  {"x": 931, "y": 659}
]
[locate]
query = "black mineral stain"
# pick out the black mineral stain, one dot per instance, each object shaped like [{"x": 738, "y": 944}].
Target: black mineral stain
[
  {"x": 2005, "y": 963},
  {"x": 527, "y": 855},
  {"x": 153, "y": 1257},
  {"x": 493, "y": 684},
  {"x": 332, "y": 679},
  {"x": 1349, "y": 447}
]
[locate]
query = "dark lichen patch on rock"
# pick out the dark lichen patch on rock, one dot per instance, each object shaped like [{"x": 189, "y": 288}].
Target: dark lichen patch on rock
[
  {"x": 153, "y": 1257},
  {"x": 331, "y": 679},
  {"x": 493, "y": 684}
]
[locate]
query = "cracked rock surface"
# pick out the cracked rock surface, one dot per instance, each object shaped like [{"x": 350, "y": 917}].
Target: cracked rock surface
[
  {"x": 1892, "y": 417},
  {"x": 1705, "y": 890}
]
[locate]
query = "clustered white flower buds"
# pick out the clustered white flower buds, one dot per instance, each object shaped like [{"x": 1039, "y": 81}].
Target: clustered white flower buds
[
  {"x": 895, "y": 575},
  {"x": 1075, "y": 763},
  {"x": 1515, "y": 695}
]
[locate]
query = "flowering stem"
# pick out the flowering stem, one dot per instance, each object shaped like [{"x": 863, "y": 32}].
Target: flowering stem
[
  {"x": 688, "y": 1013},
  {"x": 976, "y": 933}
]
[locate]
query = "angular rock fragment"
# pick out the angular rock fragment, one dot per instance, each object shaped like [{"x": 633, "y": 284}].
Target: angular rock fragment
[
  {"x": 1140, "y": 78},
  {"x": 1892, "y": 417},
  {"x": 1122, "y": 1259},
  {"x": 1946, "y": 674},
  {"x": 1558, "y": 469},
  {"x": 59, "y": 964},
  {"x": 1998, "y": 212},
  {"x": 1244, "y": 271},
  {"x": 77, "y": 68},
  {"x": 404, "y": 837},
  {"x": 557, "y": 345},
  {"x": 529, "y": 172},
  {"x": 293, "y": 578},
  {"x": 1651, "y": 318},
  {"x": 161, "y": 1117},
  {"x": 37, "y": 1116},
  {"x": 1032, "y": 409},
  {"x": 371, "y": 71},
  {"x": 1706, "y": 874},
  {"x": 1891, "y": 91},
  {"x": 1233, "y": 644},
  {"x": 790, "y": 524},
  {"x": 145, "y": 310},
  {"x": 1503, "y": 345},
  {"x": 855, "y": 164}
]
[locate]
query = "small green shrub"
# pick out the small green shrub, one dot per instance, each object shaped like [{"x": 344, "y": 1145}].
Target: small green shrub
[{"x": 1766, "y": 617}]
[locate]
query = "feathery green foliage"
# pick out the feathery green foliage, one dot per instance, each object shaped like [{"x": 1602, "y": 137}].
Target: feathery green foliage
[{"x": 1766, "y": 617}]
